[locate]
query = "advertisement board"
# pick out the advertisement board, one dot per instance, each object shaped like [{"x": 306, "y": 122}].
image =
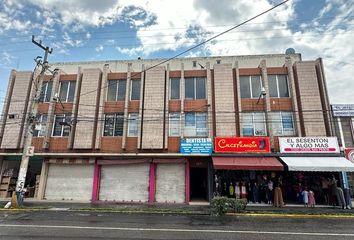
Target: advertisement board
[
  {"x": 196, "y": 145},
  {"x": 309, "y": 145},
  {"x": 343, "y": 110},
  {"x": 349, "y": 154},
  {"x": 242, "y": 144}
]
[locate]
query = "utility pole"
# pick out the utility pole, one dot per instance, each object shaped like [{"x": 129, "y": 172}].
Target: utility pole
[{"x": 30, "y": 123}]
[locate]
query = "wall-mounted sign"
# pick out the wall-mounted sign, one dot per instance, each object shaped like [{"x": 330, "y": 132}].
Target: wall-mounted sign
[
  {"x": 343, "y": 110},
  {"x": 242, "y": 144},
  {"x": 309, "y": 145},
  {"x": 349, "y": 154},
  {"x": 196, "y": 145}
]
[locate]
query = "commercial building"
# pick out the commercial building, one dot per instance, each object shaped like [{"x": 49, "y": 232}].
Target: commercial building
[{"x": 141, "y": 131}]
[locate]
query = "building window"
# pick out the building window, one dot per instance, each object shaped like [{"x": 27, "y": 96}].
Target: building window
[
  {"x": 250, "y": 86},
  {"x": 175, "y": 88},
  {"x": 282, "y": 123},
  {"x": 348, "y": 131},
  {"x": 195, "y": 88},
  {"x": 278, "y": 86},
  {"x": 113, "y": 124},
  {"x": 67, "y": 91},
  {"x": 135, "y": 91},
  {"x": 133, "y": 123},
  {"x": 62, "y": 124},
  {"x": 253, "y": 124},
  {"x": 41, "y": 126},
  {"x": 116, "y": 90},
  {"x": 46, "y": 91},
  {"x": 175, "y": 124},
  {"x": 196, "y": 124}
]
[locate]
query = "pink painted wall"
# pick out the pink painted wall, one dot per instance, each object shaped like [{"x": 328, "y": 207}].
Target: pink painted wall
[{"x": 152, "y": 182}]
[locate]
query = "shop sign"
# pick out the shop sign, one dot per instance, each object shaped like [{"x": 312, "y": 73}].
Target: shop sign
[
  {"x": 196, "y": 145},
  {"x": 242, "y": 144},
  {"x": 309, "y": 145},
  {"x": 349, "y": 154},
  {"x": 343, "y": 110}
]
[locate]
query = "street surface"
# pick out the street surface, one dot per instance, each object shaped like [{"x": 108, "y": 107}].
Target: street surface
[{"x": 104, "y": 225}]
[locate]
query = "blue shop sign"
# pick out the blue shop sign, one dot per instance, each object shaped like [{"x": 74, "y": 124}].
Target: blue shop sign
[{"x": 196, "y": 145}]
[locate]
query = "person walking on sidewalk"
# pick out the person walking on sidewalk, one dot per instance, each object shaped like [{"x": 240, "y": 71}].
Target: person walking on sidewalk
[
  {"x": 305, "y": 197},
  {"x": 278, "y": 197},
  {"x": 312, "y": 201}
]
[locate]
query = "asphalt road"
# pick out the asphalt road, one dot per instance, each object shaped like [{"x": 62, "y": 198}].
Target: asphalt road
[{"x": 98, "y": 225}]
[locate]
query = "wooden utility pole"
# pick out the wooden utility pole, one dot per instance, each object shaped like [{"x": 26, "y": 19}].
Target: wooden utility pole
[{"x": 30, "y": 123}]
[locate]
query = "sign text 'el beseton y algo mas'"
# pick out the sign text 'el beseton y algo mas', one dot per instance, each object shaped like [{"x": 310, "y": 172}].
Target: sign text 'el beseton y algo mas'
[
  {"x": 309, "y": 145},
  {"x": 242, "y": 144},
  {"x": 196, "y": 145}
]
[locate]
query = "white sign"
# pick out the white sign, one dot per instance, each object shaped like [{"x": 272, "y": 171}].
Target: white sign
[
  {"x": 30, "y": 151},
  {"x": 343, "y": 110},
  {"x": 309, "y": 145}
]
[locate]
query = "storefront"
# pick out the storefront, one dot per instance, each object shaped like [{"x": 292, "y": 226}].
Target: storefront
[{"x": 9, "y": 168}]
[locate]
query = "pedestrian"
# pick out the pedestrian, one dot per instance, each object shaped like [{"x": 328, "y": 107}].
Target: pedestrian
[
  {"x": 231, "y": 190},
  {"x": 340, "y": 198},
  {"x": 305, "y": 197},
  {"x": 312, "y": 201},
  {"x": 325, "y": 191},
  {"x": 255, "y": 192},
  {"x": 278, "y": 197},
  {"x": 270, "y": 192}
]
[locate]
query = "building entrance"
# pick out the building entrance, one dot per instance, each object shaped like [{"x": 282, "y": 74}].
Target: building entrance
[{"x": 198, "y": 184}]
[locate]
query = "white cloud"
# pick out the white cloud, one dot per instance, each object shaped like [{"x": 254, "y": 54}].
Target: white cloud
[
  {"x": 6, "y": 60},
  {"x": 99, "y": 48}
]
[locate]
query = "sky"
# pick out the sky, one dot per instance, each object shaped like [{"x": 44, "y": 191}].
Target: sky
[{"x": 127, "y": 29}]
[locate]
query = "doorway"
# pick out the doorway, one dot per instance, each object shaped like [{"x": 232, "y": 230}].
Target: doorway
[{"x": 198, "y": 184}]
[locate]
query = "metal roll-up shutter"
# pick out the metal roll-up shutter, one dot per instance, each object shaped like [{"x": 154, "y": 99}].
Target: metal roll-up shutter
[
  {"x": 69, "y": 182},
  {"x": 170, "y": 183},
  {"x": 127, "y": 182}
]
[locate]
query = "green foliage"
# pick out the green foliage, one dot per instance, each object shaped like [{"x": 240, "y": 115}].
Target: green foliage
[{"x": 222, "y": 205}]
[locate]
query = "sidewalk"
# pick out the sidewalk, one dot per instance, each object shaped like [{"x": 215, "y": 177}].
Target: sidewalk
[{"x": 197, "y": 208}]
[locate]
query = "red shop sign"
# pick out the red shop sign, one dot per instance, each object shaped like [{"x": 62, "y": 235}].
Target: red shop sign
[
  {"x": 242, "y": 144},
  {"x": 349, "y": 154}
]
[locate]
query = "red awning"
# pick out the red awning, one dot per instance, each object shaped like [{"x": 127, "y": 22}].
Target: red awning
[{"x": 247, "y": 163}]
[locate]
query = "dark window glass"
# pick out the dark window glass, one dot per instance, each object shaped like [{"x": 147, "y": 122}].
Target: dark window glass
[
  {"x": 273, "y": 89},
  {"x": 118, "y": 128},
  {"x": 256, "y": 86},
  {"x": 71, "y": 91},
  {"x": 135, "y": 94},
  {"x": 189, "y": 88},
  {"x": 63, "y": 91},
  {"x": 200, "y": 89},
  {"x": 62, "y": 125},
  {"x": 46, "y": 92},
  {"x": 108, "y": 125},
  {"x": 283, "y": 86},
  {"x": 57, "y": 126},
  {"x": 66, "y": 128},
  {"x": 245, "y": 87},
  {"x": 121, "y": 90},
  {"x": 347, "y": 131},
  {"x": 175, "y": 88},
  {"x": 112, "y": 90}
]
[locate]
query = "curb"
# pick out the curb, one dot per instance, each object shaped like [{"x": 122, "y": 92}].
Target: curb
[{"x": 287, "y": 215}]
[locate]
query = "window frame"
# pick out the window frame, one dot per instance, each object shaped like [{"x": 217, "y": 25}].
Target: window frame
[
  {"x": 176, "y": 125},
  {"x": 280, "y": 121},
  {"x": 65, "y": 115},
  {"x": 277, "y": 85},
  {"x": 193, "y": 127},
  {"x": 195, "y": 88},
  {"x": 179, "y": 89},
  {"x": 131, "y": 89},
  {"x": 254, "y": 123},
  {"x": 114, "y": 123},
  {"x": 45, "y": 93},
  {"x": 117, "y": 81},
  {"x": 43, "y": 124},
  {"x": 250, "y": 85},
  {"x": 70, "y": 83},
  {"x": 135, "y": 122}
]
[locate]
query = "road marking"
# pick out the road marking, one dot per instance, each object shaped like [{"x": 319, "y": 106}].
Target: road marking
[{"x": 177, "y": 230}]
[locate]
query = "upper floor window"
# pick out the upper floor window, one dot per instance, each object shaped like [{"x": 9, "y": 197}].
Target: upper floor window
[
  {"x": 196, "y": 124},
  {"x": 46, "y": 91},
  {"x": 282, "y": 123},
  {"x": 67, "y": 91},
  {"x": 195, "y": 88},
  {"x": 62, "y": 125},
  {"x": 278, "y": 86},
  {"x": 250, "y": 86},
  {"x": 113, "y": 124},
  {"x": 135, "y": 90},
  {"x": 116, "y": 90},
  {"x": 253, "y": 124},
  {"x": 41, "y": 126},
  {"x": 133, "y": 124},
  {"x": 175, "y": 124},
  {"x": 175, "y": 88}
]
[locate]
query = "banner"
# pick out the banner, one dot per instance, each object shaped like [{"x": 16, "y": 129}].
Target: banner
[
  {"x": 343, "y": 110},
  {"x": 196, "y": 145},
  {"x": 309, "y": 145},
  {"x": 242, "y": 144}
]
